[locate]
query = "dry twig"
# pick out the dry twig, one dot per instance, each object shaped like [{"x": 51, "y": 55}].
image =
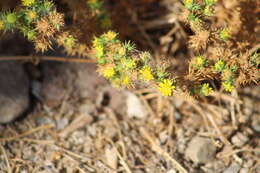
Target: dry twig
[{"x": 159, "y": 150}]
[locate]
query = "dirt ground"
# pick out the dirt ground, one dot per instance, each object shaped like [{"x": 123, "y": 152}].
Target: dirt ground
[{"x": 111, "y": 130}]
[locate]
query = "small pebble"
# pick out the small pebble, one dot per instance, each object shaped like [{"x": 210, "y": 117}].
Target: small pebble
[
  {"x": 239, "y": 139},
  {"x": 200, "y": 150},
  {"x": 233, "y": 168},
  {"x": 256, "y": 123},
  {"x": 171, "y": 171},
  {"x": 42, "y": 120},
  {"x": 62, "y": 123},
  {"x": 135, "y": 107}
]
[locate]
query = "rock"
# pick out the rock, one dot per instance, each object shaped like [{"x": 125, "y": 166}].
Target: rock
[
  {"x": 111, "y": 157},
  {"x": 200, "y": 150},
  {"x": 256, "y": 123},
  {"x": 62, "y": 123},
  {"x": 171, "y": 171},
  {"x": 55, "y": 83},
  {"x": 43, "y": 120},
  {"x": 87, "y": 108},
  {"x": 233, "y": 168},
  {"x": 244, "y": 170},
  {"x": 135, "y": 107},
  {"x": 61, "y": 80},
  {"x": 239, "y": 139},
  {"x": 14, "y": 91}
]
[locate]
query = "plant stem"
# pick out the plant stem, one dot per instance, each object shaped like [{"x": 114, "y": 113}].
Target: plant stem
[{"x": 45, "y": 58}]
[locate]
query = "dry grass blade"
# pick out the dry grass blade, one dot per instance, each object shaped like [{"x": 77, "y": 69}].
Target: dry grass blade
[
  {"x": 6, "y": 160},
  {"x": 48, "y": 126},
  {"x": 160, "y": 151},
  {"x": 123, "y": 162}
]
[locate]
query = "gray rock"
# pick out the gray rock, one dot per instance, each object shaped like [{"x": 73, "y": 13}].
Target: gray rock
[
  {"x": 43, "y": 120},
  {"x": 135, "y": 107},
  {"x": 61, "y": 80},
  {"x": 171, "y": 171},
  {"x": 239, "y": 139},
  {"x": 256, "y": 123},
  {"x": 244, "y": 170},
  {"x": 233, "y": 168},
  {"x": 200, "y": 150},
  {"x": 14, "y": 91}
]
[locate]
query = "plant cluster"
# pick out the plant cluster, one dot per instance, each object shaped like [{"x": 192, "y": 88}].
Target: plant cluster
[
  {"x": 221, "y": 56},
  {"x": 123, "y": 65}
]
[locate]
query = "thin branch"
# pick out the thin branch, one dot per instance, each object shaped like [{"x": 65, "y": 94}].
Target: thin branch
[
  {"x": 46, "y": 58},
  {"x": 160, "y": 151}
]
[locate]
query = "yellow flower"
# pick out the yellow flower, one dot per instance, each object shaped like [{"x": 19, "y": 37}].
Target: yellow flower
[
  {"x": 146, "y": 73},
  {"x": 166, "y": 87},
  {"x": 205, "y": 89},
  {"x": 108, "y": 72},
  {"x": 110, "y": 35},
  {"x": 95, "y": 42},
  {"x": 228, "y": 86},
  {"x": 122, "y": 51},
  {"x": 28, "y": 2},
  {"x": 125, "y": 81},
  {"x": 31, "y": 15},
  {"x": 1, "y": 25},
  {"x": 225, "y": 34}
]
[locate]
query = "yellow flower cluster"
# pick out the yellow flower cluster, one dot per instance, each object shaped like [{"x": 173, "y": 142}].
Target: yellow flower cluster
[{"x": 122, "y": 66}]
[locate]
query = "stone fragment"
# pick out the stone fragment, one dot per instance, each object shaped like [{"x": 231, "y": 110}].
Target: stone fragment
[
  {"x": 200, "y": 150},
  {"x": 239, "y": 139},
  {"x": 233, "y": 168},
  {"x": 135, "y": 107}
]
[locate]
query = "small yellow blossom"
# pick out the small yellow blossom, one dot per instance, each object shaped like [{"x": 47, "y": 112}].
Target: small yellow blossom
[
  {"x": 225, "y": 34},
  {"x": 108, "y": 72},
  {"x": 146, "y": 73},
  {"x": 1, "y": 25},
  {"x": 205, "y": 89},
  {"x": 95, "y": 42},
  {"x": 31, "y": 15},
  {"x": 126, "y": 81},
  {"x": 166, "y": 87},
  {"x": 28, "y": 2},
  {"x": 110, "y": 35},
  {"x": 122, "y": 51},
  {"x": 228, "y": 86},
  {"x": 200, "y": 62}
]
